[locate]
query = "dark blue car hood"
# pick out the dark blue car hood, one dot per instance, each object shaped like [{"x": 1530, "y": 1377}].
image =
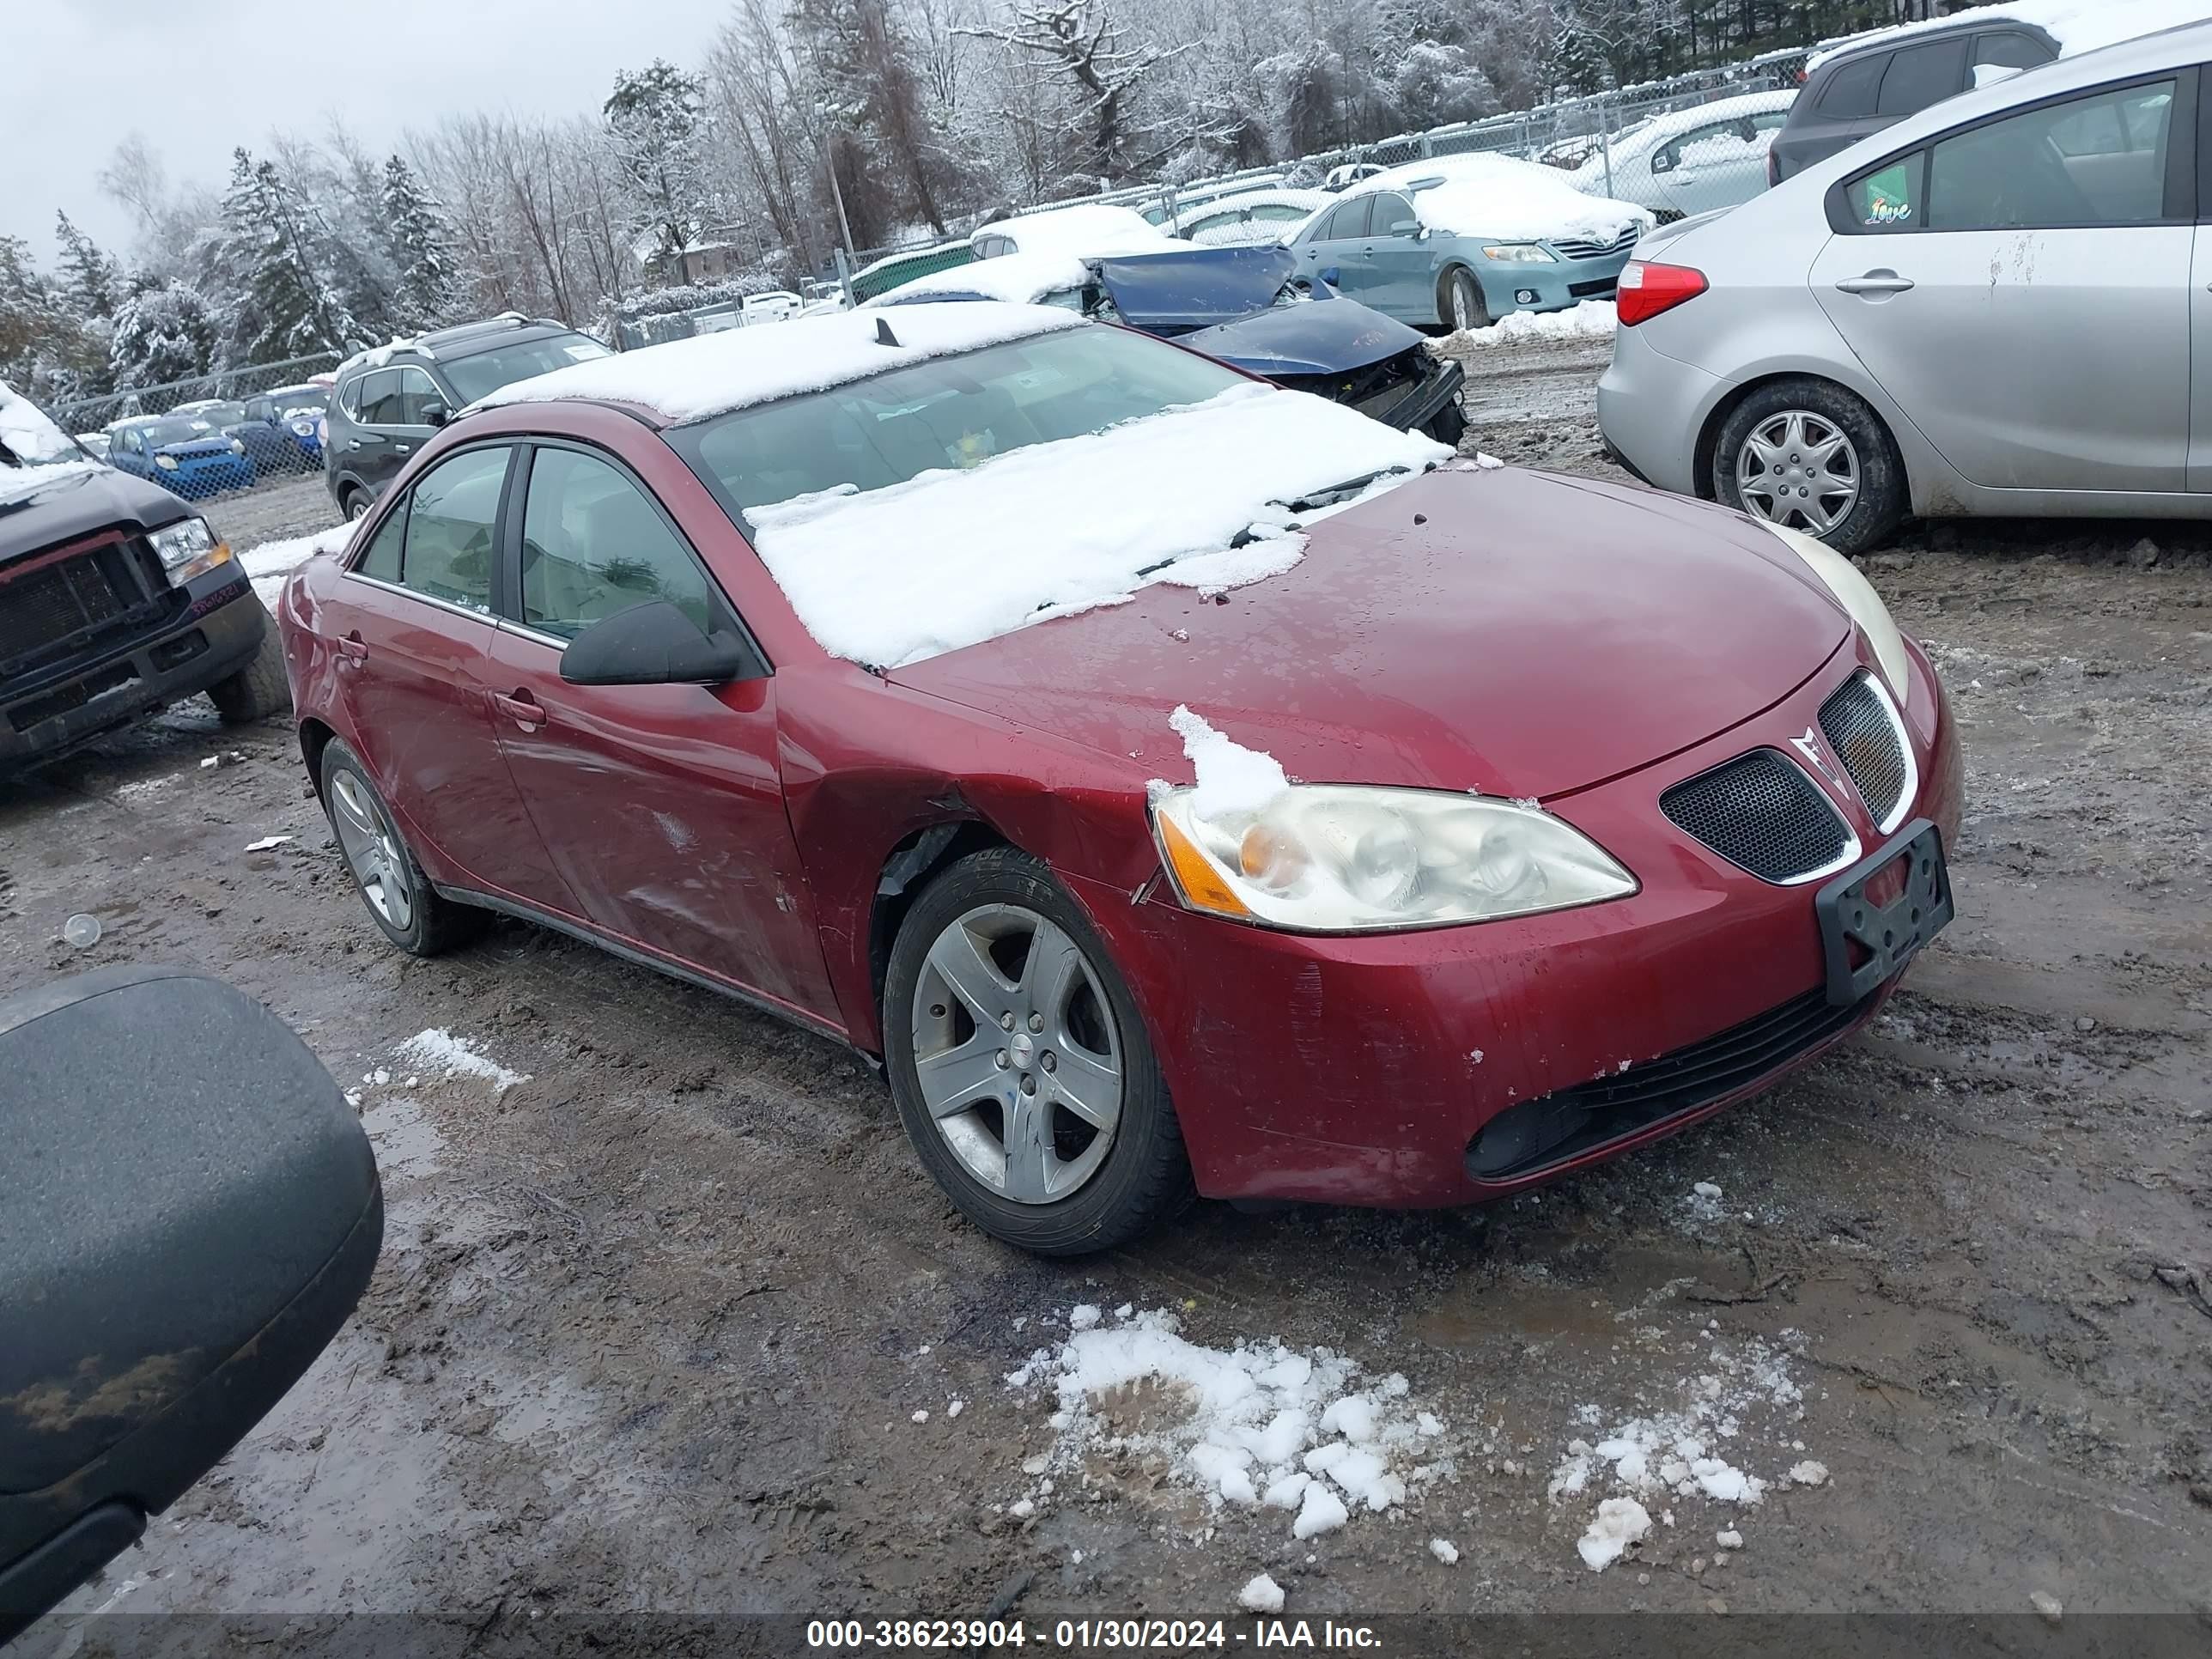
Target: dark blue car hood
[{"x": 1227, "y": 295}]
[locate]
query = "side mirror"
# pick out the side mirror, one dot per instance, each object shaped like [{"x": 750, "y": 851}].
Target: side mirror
[
  {"x": 656, "y": 644},
  {"x": 435, "y": 415},
  {"x": 179, "y": 1242},
  {"x": 1407, "y": 227}
]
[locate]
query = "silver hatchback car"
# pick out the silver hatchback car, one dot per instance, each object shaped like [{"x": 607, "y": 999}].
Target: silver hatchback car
[{"x": 2000, "y": 306}]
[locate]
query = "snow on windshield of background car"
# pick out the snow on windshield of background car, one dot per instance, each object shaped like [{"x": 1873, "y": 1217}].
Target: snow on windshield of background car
[
  {"x": 1498, "y": 197},
  {"x": 713, "y": 374},
  {"x": 2078, "y": 26},
  {"x": 1016, "y": 279},
  {"x": 950, "y": 558}
]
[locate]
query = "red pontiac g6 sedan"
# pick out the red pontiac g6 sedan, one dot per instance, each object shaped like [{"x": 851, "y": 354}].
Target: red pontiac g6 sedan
[{"x": 1178, "y": 783}]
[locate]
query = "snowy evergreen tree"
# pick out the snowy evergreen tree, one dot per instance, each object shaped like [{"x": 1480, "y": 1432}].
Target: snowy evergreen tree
[
  {"x": 90, "y": 278},
  {"x": 275, "y": 261},
  {"x": 162, "y": 333},
  {"x": 1436, "y": 83},
  {"x": 655, "y": 115},
  {"x": 420, "y": 240}
]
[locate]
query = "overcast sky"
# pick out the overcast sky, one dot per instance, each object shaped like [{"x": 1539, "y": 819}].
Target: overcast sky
[{"x": 200, "y": 79}]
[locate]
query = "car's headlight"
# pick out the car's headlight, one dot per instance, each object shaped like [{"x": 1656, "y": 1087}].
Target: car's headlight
[
  {"x": 1520, "y": 254},
  {"x": 189, "y": 549},
  {"x": 238, "y": 445},
  {"x": 167, "y": 462},
  {"x": 304, "y": 428},
  {"x": 1856, "y": 595},
  {"x": 1352, "y": 859}
]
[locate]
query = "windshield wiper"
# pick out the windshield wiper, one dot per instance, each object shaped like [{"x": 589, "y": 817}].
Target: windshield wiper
[{"x": 1339, "y": 492}]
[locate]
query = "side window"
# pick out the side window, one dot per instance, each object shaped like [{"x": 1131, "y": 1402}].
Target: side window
[
  {"x": 1669, "y": 155},
  {"x": 2007, "y": 48},
  {"x": 2099, "y": 160},
  {"x": 1279, "y": 213},
  {"x": 1851, "y": 90},
  {"x": 378, "y": 398},
  {"x": 1921, "y": 75},
  {"x": 382, "y": 559},
  {"x": 1889, "y": 198},
  {"x": 593, "y": 545},
  {"x": 418, "y": 391},
  {"x": 450, "y": 524},
  {"x": 1388, "y": 209}
]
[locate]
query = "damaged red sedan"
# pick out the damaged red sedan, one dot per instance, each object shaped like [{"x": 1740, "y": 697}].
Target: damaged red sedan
[{"x": 1180, "y": 784}]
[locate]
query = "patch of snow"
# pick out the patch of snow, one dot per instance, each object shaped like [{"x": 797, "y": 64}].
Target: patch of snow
[
  {"x": 1254, "y": 1425},
  {"x": 920, "y": 1417},
  {"x": 1809, "y": 1472},
  {"x": 268, "y": 563},
  {"x": 18, "y": 482},
  {"x": 1083, "y": 1316},
  {"x": 147, "y": 788},
  {"x": 1620, "y": 1522},
  {"x": 1706, "y": 1189},
  {"x": 1502, "y": 198},
  {"x": 1083, "y": 230},
  {"x": 268, "y": 841},
  {"x": 956, "y": 1408},
  {"x": 1014, "y": 279},
  {"x": 682, "y": 380},
  {"x": 1262, "y": 1595},
  {"x": 1592, "y": 320},
  {"x": 1445, "y": 1551},
  {"x": 1231, "y": 780},
  {"x": 2078, "y": 26},
  {"x": 1729, "y": 1540},
  {"x": 1649, "y": 135},
  {"x": 36, "y": 443},
  {"x": 952, "y": 557},
  {"x": 1022, "y": 1510},
  {"x": 442, "y": 1052}
]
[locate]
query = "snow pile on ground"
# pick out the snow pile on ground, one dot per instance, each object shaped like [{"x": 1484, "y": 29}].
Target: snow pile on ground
[
  {"x": 1014, "y": 279},
  {"x": 448, "y": 1056},
  {"x": 1262, "y": 1595},
  {"x": 1261, "y": 1425},
  {"x": 1231, "y": 780},
  {"x": 952, "y": 557},
  {"x": 736, "y": 368},
  {"x": 1502, "y": 198},
  {"x": 2078, "y": 26},
  {"x": 1687, "y": 1449},
  {"x": 269, "y": 562},
  {"x": 1592, "y": 320}
]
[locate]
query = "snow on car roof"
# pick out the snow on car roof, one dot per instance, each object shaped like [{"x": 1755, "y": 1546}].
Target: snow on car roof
[
  {"x": 713, "y": 374},
  {"x": 950, "y": 558},
  {"x": 1649, "y": 135},
  {"x": 1482, "y": 195},
  {"x": 1016, "y": 279},
  {"x": 2078, "y": 26},
  {"x": 1086, "y": 230}
]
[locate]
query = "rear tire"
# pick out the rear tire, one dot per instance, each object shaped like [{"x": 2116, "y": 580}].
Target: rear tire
[
  {"x": 260, "y": 688},
  {"x": 397, "y": 895},
  {"x": 357, "y": 503},
  {"x": 989, "y": 910},
  {"x": 1805, "y": 406},
  {"x": 1459, "y": 302}
]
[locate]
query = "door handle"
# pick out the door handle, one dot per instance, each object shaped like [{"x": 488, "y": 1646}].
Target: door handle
[
  {"x": 401, "y": 449},
  {"x": 1875, "y": 281},
  {"x": 525, "y": 710},
  {"x": 352, "y": 648},
  {"x": 353, "y": 443}
]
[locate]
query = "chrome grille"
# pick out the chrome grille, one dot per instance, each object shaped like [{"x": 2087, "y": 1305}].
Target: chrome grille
[
  {"x": 1761, "y": 813},
  {"x": 1584, "y": 247},
  {"x": 1866, "y": 737}
]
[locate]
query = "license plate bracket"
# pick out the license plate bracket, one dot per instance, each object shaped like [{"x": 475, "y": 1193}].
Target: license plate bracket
[{"x": 1888, "y": 935}]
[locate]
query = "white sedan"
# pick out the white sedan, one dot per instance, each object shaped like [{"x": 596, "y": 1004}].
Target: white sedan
[
  {"x": 1693, "y": 161},
  {"x": 1250, "y": 219}
]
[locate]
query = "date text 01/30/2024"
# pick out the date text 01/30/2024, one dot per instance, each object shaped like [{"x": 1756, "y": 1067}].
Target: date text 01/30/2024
[{"x": 1082, "y": 1634}]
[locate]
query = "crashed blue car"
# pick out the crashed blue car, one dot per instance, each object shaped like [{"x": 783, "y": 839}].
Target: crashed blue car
[{"x": 1242, "y": 306}]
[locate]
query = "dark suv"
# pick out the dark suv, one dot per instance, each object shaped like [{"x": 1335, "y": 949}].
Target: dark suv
[
  {"x": 387, "y": 402},
  {"x": 1863, "y": 88},
  {"x": 115, "y": 600}
]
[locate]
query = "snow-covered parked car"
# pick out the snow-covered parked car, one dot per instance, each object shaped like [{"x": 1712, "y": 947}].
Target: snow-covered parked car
[
  {"x": 775, "y": 305},
  {"x": 1694, "y": 161},
  {"x": 1458, "y": 241},
  {"x": 1238, "y": 305},
  {"x": 1253, "y": 218},
  {"x": 1083, "y": 229}
]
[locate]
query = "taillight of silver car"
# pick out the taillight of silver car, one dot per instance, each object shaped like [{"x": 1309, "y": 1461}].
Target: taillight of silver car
[{"x": 1647, "y": 289}]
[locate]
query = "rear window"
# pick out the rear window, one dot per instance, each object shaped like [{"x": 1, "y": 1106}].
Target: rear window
[
  {"x": 484, "y": 372},
  {"x": 1852, "y": 88},
  {"x": 1921, "y": 75},
  {"x": 1888, "y": 199}
]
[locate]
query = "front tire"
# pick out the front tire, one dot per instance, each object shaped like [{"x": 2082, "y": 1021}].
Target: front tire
[
  {"x": 357, "y": 503},
  {"x": 1459, "y": 302},
  {"x": 1021, "y": 1068},
  {"x": 258, "y": 689},
  {"x": 1810, "y": 455},
  {"x": 397, "y": 895}
]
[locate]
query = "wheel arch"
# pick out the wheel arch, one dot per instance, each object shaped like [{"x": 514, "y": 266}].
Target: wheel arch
[
  {"x": 315, "y": 737},
  {"x": 1709, "y": 434},
  {"x": 906, "y": 870}
]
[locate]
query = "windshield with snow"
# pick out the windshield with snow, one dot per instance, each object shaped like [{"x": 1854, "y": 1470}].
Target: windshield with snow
[
  {"x": 950, "y": 412},
  {"x": 484, "y": 372},
  {"x": 28, "y": 438},
  {"x": 191, "y": 431}
]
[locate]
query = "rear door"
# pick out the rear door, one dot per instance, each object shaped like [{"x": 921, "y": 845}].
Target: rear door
[
  {"x": 661, "y": 806},
  {"x": 413, "y": 626},
  {"x": 2022, "y": 288},
  {"x": 393, "y": 427}
]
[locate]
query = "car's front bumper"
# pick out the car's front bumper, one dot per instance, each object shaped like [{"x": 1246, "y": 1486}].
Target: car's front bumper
[
  {"x": 1556, "y": 287},
  {"x": 213, "y": 633},
  {"x": 197, "y": 480},
  {"x": 1361, "y": 1070}
]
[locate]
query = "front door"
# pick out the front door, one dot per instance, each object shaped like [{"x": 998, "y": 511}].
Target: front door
[
  {"x": 2022, "y": 290},
  {"x": 661, "y": 806},
  {"x": 1397, "y": 262},
  {"x": 413, "y": 627}
]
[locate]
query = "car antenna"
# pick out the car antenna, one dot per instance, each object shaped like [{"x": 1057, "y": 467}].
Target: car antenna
[{"x": 883, "y": 335}]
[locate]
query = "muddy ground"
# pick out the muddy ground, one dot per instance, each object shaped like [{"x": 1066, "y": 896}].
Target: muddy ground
[{"x": 651, "y": 1326}]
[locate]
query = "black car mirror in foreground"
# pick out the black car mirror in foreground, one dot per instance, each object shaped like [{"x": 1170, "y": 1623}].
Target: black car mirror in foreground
[
  {"x": 189, "y": 1209},
  {"x": 656, "y": 644}
]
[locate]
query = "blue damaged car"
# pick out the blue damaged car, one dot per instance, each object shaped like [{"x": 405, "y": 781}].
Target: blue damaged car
[{"x": 1242, "y": 306}]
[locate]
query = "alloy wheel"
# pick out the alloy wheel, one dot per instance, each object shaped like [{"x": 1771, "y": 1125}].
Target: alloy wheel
[
  {"x": 1462, "y": 304},
  {"x": 1799, "y": 470},
  {"x": 372, "y": 851},
  {"x": 1017, "y": 1054}
]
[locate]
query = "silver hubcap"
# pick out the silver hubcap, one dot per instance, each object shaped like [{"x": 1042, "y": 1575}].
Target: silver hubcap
[
  {"x": 1798, "y": 469},
  {"x": 359, "y": 509},
  {"x": 1462, "y": 304},
  {"x": 372, "y": 851},
  {"x": 1018, "y": 1055}
]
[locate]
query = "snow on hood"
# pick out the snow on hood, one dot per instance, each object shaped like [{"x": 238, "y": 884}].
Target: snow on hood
[
  {"x": 1085, "y": 231},
  {"x": 19, "y": 483},
  {"x": 28, "y": 435},
  {"x": 2078, "y": 26},
  {"x": 1014, "y": 279},
  {"x": 736, "y": 368},
  {"x": 1497, "y": 196},
  {"x": 948, "y": 558}
]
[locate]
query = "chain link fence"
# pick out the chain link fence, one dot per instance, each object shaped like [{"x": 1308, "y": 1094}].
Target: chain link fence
[{"x": 229, "y": 385}]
